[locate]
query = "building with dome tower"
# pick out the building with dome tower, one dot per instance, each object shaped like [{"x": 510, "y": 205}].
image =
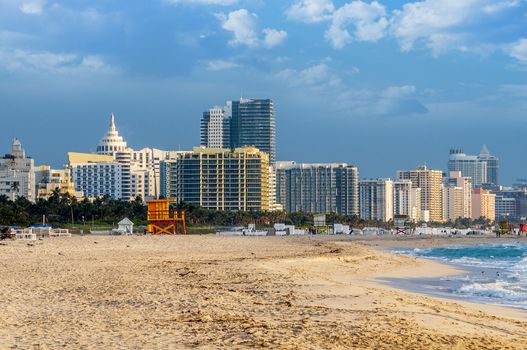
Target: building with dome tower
[{"x": 135, "y": 173}]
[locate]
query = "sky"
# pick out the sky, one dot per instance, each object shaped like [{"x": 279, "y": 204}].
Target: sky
[{"x": 383, "y": 85}]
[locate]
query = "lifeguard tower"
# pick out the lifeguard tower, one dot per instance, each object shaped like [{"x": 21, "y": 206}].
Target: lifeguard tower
[{"x": 164, "y": 220}]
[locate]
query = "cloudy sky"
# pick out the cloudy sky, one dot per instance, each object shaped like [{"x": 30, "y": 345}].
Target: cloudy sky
[{"x": 383, "y": 85}]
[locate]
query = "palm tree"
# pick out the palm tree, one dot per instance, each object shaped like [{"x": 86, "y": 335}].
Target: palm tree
[{"x": 15, "y": 187}]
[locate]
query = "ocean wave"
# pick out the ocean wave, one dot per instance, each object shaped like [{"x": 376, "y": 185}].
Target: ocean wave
[{"x": 499, "y": 289}]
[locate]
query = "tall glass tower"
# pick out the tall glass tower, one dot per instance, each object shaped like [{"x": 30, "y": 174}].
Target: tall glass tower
[
  {"x": 253, "y": 124},
  {"x": 493, "y": 165},
  {"x": 243, "y": 123}
]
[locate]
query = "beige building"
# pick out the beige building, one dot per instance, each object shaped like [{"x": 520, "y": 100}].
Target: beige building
[
  {"x": 457, "y": 196},
  {"x": 49, "y": 180},
  {"x": 219, "y": 178},
  {"x": 429, "y": 181},
  {"x": 407, "y": 200},
  {"x": 483, "y": 204}
]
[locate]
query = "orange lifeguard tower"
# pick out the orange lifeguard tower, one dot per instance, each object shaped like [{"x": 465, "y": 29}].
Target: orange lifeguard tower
[{"x": 162, "y": 219}]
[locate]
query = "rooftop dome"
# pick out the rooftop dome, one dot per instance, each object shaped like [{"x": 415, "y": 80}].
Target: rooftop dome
[{"x": 112, "y": 142}]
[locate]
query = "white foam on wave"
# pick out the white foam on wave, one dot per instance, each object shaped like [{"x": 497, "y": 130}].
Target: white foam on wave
[{"x": 499, "y": 289}]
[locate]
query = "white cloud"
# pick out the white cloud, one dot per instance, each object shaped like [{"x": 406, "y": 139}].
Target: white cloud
[
  {"x": 218, "y": 65},
  {"x": 518, "y": 50},
  {"x": 319, "y": 76},
  {"x": 202, "y": 2},
  {"x": 310, "y": 11},
  {"x": 32, "y": 7},
  {"x": 443, "y": 25},
  {"x": 49, "y": 62},
  {"x": 273, "y": 37},
  {"x": 243, "y": 25},
  {"x": 368, "y": 21}
]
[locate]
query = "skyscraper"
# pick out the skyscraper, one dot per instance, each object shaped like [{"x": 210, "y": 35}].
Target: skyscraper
[
  {"x": 482, "y": 168},
  {"x": 318, "y": 188},
  {"x": 493, "y": 166},
  {"x": 376, "y": 199},
  {"x": 429, "y": 181},
  {"x": 243, "y": 123},
  {"x": 407, "y": 200},
  {"x": 215, "y": 128},
  {"x": 470, "y": 166},
  {"x": 457, "y": 196},
  {"x": 219, "y": 178}
]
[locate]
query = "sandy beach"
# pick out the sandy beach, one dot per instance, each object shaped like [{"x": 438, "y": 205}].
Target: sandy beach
[{"x": 235, "y": 293}]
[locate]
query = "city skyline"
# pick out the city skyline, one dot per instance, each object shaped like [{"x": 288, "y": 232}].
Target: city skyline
[
  {"x": 375, "y": 84},
  {"x": 123, "y": 140}
]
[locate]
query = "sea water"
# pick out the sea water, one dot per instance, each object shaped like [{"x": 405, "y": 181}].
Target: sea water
[{"x": 495, "y": 273}]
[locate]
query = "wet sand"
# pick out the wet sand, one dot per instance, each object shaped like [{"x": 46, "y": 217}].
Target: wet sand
[{"x": 234, "y": 292}]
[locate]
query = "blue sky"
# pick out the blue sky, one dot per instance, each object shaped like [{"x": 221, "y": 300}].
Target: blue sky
[{"x": 384, "y": 85}]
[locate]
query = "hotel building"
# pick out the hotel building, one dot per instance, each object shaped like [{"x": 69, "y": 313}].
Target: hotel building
[
  {"x": 457, "y": 196},
  {"x": 429, "y": 181},
  {"x": 376, "y": 199},
  {"x": 96, "y": 175},
  {"x": 219, "y": 178},
  {"x": 406, "y": 200},
  {"x": 483, "y": 204},
  {"x": 318, "y": 188}
]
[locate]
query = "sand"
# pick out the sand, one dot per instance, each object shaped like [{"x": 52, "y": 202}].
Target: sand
[{"x": 233, "y": 293}]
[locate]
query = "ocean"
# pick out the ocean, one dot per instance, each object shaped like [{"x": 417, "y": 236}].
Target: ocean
[{"x": 495, "y": 273}]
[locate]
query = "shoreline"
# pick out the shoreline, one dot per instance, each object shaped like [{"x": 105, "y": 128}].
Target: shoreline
[{"x": 436, "y": 286}]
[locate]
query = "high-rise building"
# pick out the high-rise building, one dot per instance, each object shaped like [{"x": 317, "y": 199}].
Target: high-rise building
[
  {"x": 140, "y": 169},
  {"x": 429, "y": 181},
  {"x": 318, "y": 188},
  {"x": 406, "y": 200},
  {"x": 219, "y": 178},
  {"x": 507, "y": 208},
  {"x": 243, "y": 123},
  {"x": 96, "y": 175},
  {"x": 482, "y": 168},
  {"x": 457, "y": 196},
  {"x": 376, "y": 199},
  {"x": 483, "y": 204},
  {"x": 493, "y": 166},
  {"x": 215, "y": 128},
  {"x": 17, "y": 174}
]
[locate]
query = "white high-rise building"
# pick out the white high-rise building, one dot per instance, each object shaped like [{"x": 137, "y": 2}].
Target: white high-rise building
[
  {"x": 407, "y": 200},
  {"x": 96, "y": 175},
  {"x": 376, "y": 199},
  {"x": 215, "y": 127},
  {"x": 140, "y": 169},
  {"x": 17, "y": 174}
]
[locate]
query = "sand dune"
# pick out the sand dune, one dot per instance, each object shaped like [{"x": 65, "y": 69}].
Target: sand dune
[{"x": 231, "y": 292}]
